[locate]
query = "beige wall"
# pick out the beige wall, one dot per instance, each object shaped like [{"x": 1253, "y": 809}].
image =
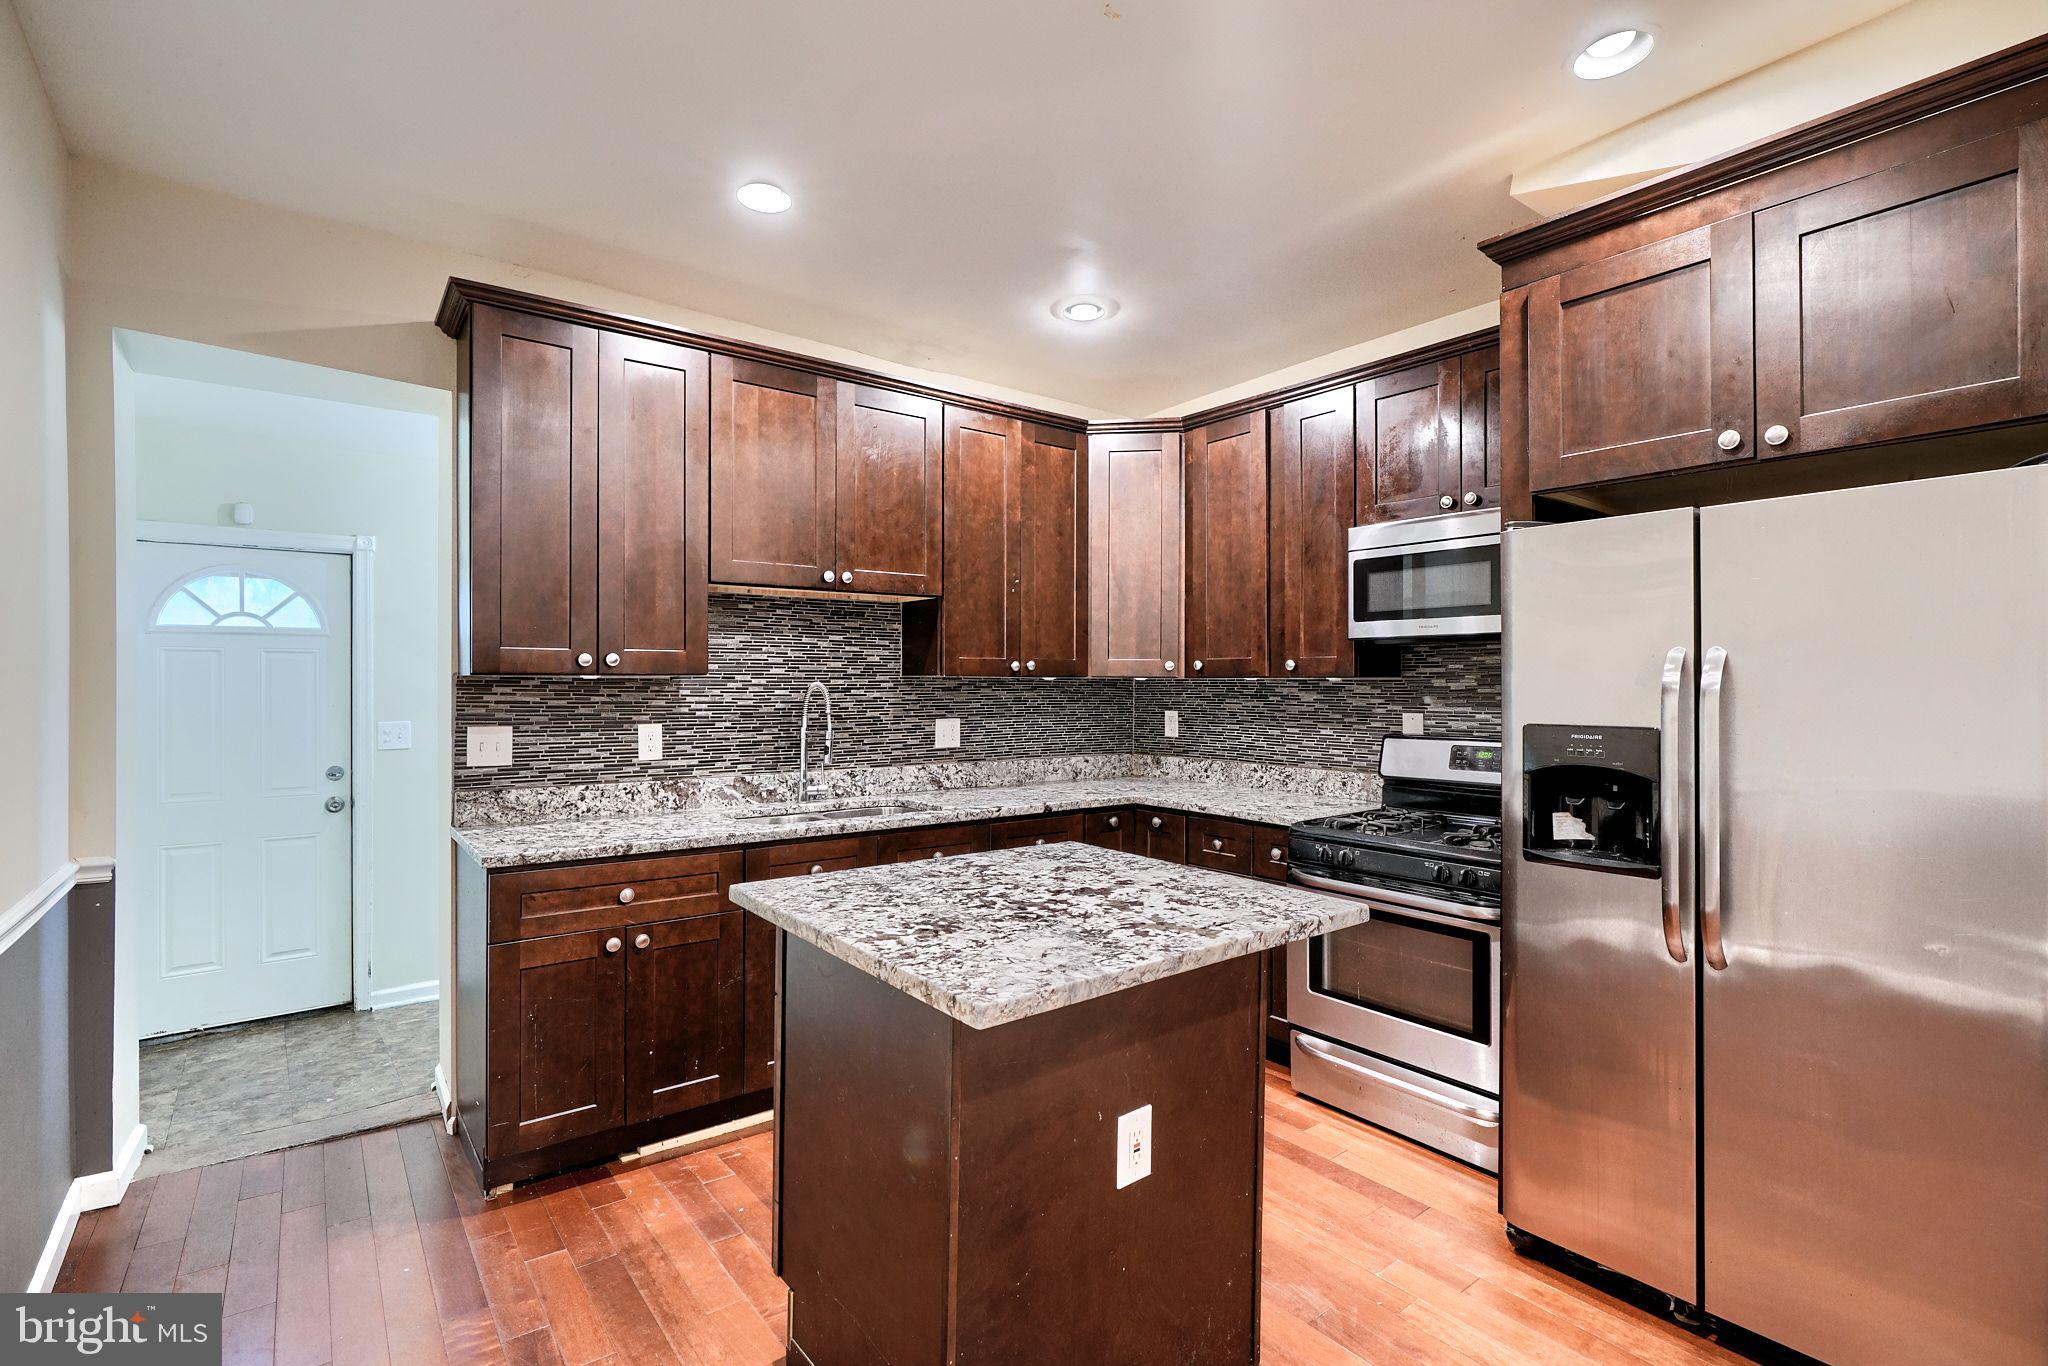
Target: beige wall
[{"x": 34, "y": 584}]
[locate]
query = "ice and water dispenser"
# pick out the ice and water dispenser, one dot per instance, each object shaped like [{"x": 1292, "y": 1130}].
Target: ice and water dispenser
[{"x": 1589, "y": 797}]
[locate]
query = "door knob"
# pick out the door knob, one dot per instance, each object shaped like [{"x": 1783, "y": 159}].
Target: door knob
[
  {"x": 641, "y": 941},
  {"x": 831, "y": 577},
  {"x": 625, "y": 896},
  {"x": 584, "y": 661},
  {"x": 334, "y": 804},
  {"x": 1776, "y": 435},
  {"x": 1472, "y": 500},
  {"x": 611, "y": 661},
  {"x": 1729, "y": 439},
  {"x": 334, "y": 772},
  {"x": 1290, "y": 666},
  {"x": 1447, "y": 501},
  {"x": 612, "y": 944}
]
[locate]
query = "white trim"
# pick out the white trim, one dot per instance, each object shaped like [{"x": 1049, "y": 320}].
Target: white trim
[
  {"x": 412, "y": 993},
  {"x": 102, "y": 1189},
  {"x": 25, "y": 914},
  {"x": 446, "y": 1097},
  {"x": 96, "y": 1191},
  {"x": 362, "y": 725},
  {"x": 95, "y": 868}
]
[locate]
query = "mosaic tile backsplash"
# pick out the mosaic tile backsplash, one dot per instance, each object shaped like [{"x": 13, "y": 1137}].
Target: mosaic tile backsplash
[{"x": 742, "y": 716}]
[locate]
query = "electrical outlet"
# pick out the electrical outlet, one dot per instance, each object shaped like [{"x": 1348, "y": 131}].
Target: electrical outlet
[
  {"x": 1133, "y": 1146},
  {"x": 1172, "y": 724},
  {"x": 650, "y": 741},
  {"x": 1411, "y": 723},
  {"x": 490, "y": 746},
  {"x": 394, "y": 735},
  {"x": 946, "y": 733}
]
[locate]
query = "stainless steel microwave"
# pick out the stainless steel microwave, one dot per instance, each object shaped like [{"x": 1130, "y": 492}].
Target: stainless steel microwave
[{"x": 1426, "y": 576}]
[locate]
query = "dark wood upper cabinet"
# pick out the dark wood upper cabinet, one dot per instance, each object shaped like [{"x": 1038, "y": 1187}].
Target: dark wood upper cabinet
[
  {"x": 984, "y": 592},
  {"x": 684, "y": 1016},
  {"x": 1311, "y": 464},
  {"x": 1408, "y": 442},
  {"x": 1227, "y": 486},
  {"x": 1906, "y": 303},
  {"x": 890, "y": 485},
  {"x": 530, "y": 575},
  {"x": 1479, "y": 430},
  {"x": 556, "y": 1031},
  {"x": 653, "y": 506},
  {"x": 1135, "y": 581},
  {"x": 774, "y": 436},
  {"x": 1642, "y": 363},
  {"x": 1048, "y": 538}
]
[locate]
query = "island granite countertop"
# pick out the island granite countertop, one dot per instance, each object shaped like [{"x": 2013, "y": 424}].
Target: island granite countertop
[
  {"x": 996, "y": 937},
  {"x": 613, "y": 836}
]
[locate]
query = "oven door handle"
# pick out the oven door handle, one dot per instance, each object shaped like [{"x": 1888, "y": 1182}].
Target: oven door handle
[
  {"x": 1310, "y": 1044},
  {"x": 1451, "y": 910},
  {"x": 1667, "y": 801}
]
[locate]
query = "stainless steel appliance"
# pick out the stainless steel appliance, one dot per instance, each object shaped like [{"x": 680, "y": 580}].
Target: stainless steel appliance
[
  {"x": 1426, "y": 576},
  {"x": 1397, "y": 1020},
  {"x": 1776, "y": 869}
]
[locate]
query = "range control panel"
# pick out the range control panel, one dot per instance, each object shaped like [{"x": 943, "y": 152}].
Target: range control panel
[{"x": 1475, "y": 758}]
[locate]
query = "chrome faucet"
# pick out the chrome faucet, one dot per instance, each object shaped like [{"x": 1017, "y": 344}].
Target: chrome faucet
[{"x": 804, "y": 787}]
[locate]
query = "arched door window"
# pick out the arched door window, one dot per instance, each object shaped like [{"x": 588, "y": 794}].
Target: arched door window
[{"x": 224, "y": 598}]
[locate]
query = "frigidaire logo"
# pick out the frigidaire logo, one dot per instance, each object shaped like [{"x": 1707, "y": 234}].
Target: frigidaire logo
[{"x": 162, "y": 1329}]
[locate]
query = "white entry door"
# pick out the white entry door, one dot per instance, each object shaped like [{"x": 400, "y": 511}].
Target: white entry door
[{"x": 242, "y": 784}]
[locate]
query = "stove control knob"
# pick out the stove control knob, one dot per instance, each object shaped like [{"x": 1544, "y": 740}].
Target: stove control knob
[
  {"x": 1345, "y": 857},
  {"x": 1441, "y": 872},
  {"x": 1469, "y": 878}
]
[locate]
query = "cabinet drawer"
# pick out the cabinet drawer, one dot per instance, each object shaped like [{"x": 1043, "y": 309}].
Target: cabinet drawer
[
  {"x": 1108, "y": 829},
  {"x": 810, "y": 856},
  {"x": 934, "y": 841},
  {"x": 1269, "y": 851},
  {"x": 589, "y": 896},
  {"x": 1223, "y": 845},
  {"x": 1035, "y": 830},
  {"x": 1161, "y": 834}
]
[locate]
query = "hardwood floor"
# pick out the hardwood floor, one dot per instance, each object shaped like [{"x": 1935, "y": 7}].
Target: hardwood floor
[{"x": 378, "y": 1248}]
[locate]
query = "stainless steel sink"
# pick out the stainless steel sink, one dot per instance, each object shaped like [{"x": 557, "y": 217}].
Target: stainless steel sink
[{"x": 810, "y": 815}]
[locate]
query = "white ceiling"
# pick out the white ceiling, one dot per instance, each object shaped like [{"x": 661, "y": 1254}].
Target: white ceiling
[{"x": 1256, "y": 181}]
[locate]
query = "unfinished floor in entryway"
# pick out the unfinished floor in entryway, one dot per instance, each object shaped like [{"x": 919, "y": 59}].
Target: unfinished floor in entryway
[{"x": 255, "y": 1088}]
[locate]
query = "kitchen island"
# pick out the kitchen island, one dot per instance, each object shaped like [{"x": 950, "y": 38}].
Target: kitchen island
[{"x": 1019, "y": 1104}]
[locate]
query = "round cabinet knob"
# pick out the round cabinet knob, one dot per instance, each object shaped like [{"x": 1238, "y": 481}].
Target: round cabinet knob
[
  {"x": 1015, "y": 665},
  {"x": 938, "y": 853},
  {"x": 1776, "y": 435},
  {"x": 1447, "y": 501},
  {"x": 1216, "y": 844},
  {"x": 817, "y": 867},
  {"x": 1039, "y": 840},
  {"x": 1729, "y": 439},
  {"x": 846, "y": 576},
  {"x": 641, "y": 941},
  {"x": 1157, "y": 823},
  {"x": 1290, "y": 666},
  {"x": 1276, "y": 854},
  {"x": 1031, "y": 666},
  {"x": 831, "y": 577},
  {"x": 611, "y": 661},
  {"x": 1198, "y": 666},
  {"x": 584, "y": 661},
  {"x": 1115, "y": 821},
  {"x": 1169, "y": 666},
  {"x": 625, "y": 896},
  {"x": 1472, "y": 500},
  {"x": 612, "y": 944}
]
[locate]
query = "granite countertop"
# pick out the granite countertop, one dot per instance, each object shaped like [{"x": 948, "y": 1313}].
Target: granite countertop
[
  {"x": 991, "y": 938},
  {"x": 610, "y": 836}
]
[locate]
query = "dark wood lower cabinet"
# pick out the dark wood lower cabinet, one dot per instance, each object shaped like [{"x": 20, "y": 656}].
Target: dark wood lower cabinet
[
  {"x": 933, "y": 841},
  {"x": 557, "y": 1031},
  {"x": 1109, "y": 830},
  {"x": 684, "y": 981},
  {"x": 1034, "y": 830},
  {"x": 1161, "y": 834},
  {"x": 800, "y": 859}
]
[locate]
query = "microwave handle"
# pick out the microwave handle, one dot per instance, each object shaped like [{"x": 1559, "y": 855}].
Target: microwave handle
[{"x": 1387, "y": 552}]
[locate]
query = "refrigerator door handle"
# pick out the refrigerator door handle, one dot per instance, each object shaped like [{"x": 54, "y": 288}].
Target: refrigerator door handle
[
  {"x": 1713, "y": 669},
  {"x": 1667, "y": 800}
]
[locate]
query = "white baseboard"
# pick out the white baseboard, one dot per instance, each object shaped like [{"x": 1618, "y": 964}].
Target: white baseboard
[
  {"x": 412, "y": 993},
  {"x": 96, "y": 1191},
  {"x": 446, "y": 1097}
]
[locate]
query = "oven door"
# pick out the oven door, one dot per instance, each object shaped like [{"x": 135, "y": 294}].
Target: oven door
[
  {"x": 1426, "y": 588},
  {"x": 1417, "y": 987}
]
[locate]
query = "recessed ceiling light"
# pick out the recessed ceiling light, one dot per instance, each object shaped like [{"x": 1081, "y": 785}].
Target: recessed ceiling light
[
  {"x": 762, "y": 197},
  {"x": 1084, "y": 310},
  {"x": 1613, "y": 54}
]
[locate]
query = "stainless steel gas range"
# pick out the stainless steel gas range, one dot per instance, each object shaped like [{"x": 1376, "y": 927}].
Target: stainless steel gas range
[{"x": 1397, "y": 1020}]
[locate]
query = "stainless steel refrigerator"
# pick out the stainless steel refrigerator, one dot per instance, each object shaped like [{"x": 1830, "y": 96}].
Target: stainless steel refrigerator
[{"x": 1776, "y": 924}]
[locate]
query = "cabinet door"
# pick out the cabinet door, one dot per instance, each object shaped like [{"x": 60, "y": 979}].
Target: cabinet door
[
  {"x": 1108, "y": 830},
  {"x": 1048, "y": 551},
  {"x": 774, "y": 433},
  {"x": 653, "y": 506},
  {"x": 1134, "y": 554},
  {"x": 891, "y": 480},
  {"x": 1226, "y": 544},
  {"x": 1269, "y": 851},
  {"x": 684, "y": 1017},
  {"x": 1479, "y": 428},
  {"x": 1161, "y": 835},
  {"x": 532, "y": 472},
  {"x": 557, "y": 1040},
  {"x": 1642, "y": 363},
  {"x": 1408, "y": 455},
  {"x": 984, "y": 592},
  {"x": 933, "y": 841},
  {"x": 798, "y": 859},
  {"x": 1021, "y": 834},
  {"x": 1312, "y": 460},
  {"x": 1906, "y": 303}
]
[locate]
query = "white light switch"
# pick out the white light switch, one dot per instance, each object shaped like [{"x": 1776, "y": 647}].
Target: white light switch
[
  {"x": 1411, "y": 723},
  {"x": 1133, "y": 1146},
  {"x": 394, "y": 735},
  {"x": 1172, "y": 724},
  {"x": 650, "y": 741},
  {"x": 946, "y": 733},
  {"x": 490, "y": 746}
]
